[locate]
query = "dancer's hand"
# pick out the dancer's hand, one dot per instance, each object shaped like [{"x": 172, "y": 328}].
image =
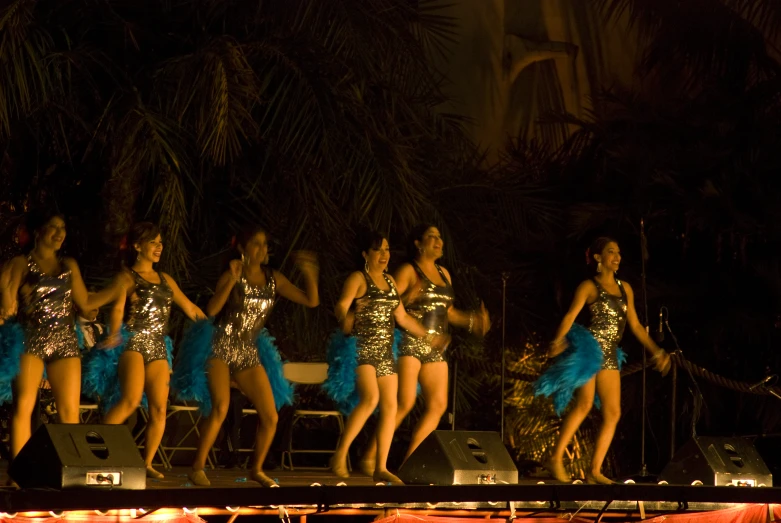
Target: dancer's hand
[
  {"x": 109, "y": 342},
  {"x": 557, "y": 347},
  {"x": 440, "y": 342},
  {"x": 306, "y": 261},
  {"x": 236, "y": 268},
  {"x": 482, "y": 321},
  {"x": 662, "y": 362}
]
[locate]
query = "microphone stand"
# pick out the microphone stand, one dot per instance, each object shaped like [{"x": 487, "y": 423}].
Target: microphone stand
[
  {"x": 643, "y": 258},
  {"x": 505, "y": 276}
]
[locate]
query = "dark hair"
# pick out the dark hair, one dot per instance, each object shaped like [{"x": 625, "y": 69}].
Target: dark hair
[
  {"x": 368, "y": 239},
  {"x": 140, "y": 232},
  {"x": 597, "y": 246},
  {"x": 247, "y": 233},
  {"x": 37, "y": 219},
  {"x": 416, "y": 235}
]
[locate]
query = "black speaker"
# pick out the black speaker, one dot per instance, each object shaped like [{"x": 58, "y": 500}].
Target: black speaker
[
  {"x": 459, "y": 458},
  {"x": 717, "y": 461},
  {"x": 69, "y": 455}
]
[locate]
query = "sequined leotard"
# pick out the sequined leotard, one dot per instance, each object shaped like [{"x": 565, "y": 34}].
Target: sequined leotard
[
  {"x": 47, "y": 315},
  {"x": 147, "y": 319},
  {"x": 430, "y": 307},
  {"x": 240, "y": 322},
  {"x": 608, "y": 319},
  {"x": 374, "y": 325}
]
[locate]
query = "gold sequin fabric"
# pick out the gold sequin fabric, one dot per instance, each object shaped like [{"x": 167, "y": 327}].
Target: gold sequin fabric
[
  {"x": 147, "y": 319},
  {"x": 47, "y": 315},
  {"x": 430, "y": 308},
  {"x": 240, "y": 322},
  {"x": 608, "y": 319},
  {"x": 374, "y": 325}
]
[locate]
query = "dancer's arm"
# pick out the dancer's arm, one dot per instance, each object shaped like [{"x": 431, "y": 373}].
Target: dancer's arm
[
  {"x": 11, "y": 279},
  {"x": 476, "y": 322},
  {"x": 190, "y": 309},
  {"x": 307, "y": 264},
  {"x": 224, "y": 287},
  {"x": 354, "y": 286},
  {"x": 407, "y": 282},
  {"x": 83, "y": 300},
  {"x": 586, "y": 291},
  {"x": 114, "y": 338},
  {"x": 659, "y": 356}
]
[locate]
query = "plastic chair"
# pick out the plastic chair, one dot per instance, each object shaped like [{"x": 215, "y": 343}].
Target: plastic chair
[{"x": 308, "y": 374}]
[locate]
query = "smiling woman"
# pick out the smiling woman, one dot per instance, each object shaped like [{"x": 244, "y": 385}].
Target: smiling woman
[
  {"x": 143, "y": 359},
  {"x": 48, "y": 286}
]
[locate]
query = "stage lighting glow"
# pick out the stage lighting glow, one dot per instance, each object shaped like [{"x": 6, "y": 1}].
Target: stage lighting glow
[
  {"x": 629, "y": 482},
  {"x": 663, "y": 482},
  {"x": 190, "y": 510},
  {"x": 232, "y": 509},
  {"x": 696, "y": 483}
]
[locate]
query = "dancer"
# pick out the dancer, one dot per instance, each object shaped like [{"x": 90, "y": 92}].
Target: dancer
[
  {"x": 377, "y": 305},
  {"x": 48, "y": 286},
  {"x": 243, "y": 350},
  {"x": 590, "y": 358},
  {"x": 144, "y": 363},
  {"x": 428, "y": 295}
]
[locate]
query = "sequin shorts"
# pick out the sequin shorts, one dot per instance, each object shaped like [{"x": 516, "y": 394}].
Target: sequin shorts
[
  {"x": 418, "y": 348},
  {"x": 150, "y": 345},
  {"x": 52, "y": 344},
  {"x": 609, "y": 355},
  {"x": 239, "y": 355},
  {"x": 380, "y": 358}
]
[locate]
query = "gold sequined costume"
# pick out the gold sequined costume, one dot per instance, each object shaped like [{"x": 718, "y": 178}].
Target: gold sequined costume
[
  {"x": 47, "y": 315},
  {"x": 429, "y": 307},
  {"x": 374, "y": 326},
  {"x": 608, "y": 319},
  {"x": 148, "y": 316},
  {"x": 240, "y": 322}
]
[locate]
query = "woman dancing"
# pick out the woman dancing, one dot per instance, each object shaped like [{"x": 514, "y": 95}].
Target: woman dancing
[
  {"x": 48, "y": 286},
  {"x": 144, "y": 361},
  {"x": 242, "y": 303},
  {"x": 591, "y": 363},
  {"x": 428, "y": 296},
  {"x": 377, "y": 305}
]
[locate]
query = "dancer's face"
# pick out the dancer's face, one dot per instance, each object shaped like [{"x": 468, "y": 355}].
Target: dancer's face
[
  {"x": 151, "y": 250},
  {"x": 431, "y": 244},
  {"x": 377, "y": 259},
  {"x": 610, "y": 257},
  {"x": 256, "y": 250},
  {"x": 52, "y": 234}
]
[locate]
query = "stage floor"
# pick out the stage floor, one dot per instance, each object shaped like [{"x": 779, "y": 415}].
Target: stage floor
[{"x": 307, "y": 492}]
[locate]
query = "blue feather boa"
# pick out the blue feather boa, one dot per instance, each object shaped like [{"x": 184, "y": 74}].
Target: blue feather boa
[
  {"x": 573, "y": 368},
  {"x": 190, "y": 381},
  {"x": 11, "y": 349},
  {"x": 100, "y": 372},
  {"x": 342, "y": 357}
]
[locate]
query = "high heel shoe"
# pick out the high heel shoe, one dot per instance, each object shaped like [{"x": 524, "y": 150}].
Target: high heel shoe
[
  {"x": 598, "y": 479},
  {"x": 198, "y": 477},
  {"x": 264, "y": 480},
  {"x": 386, "y": 477},
  {"x": 153, "y": 474}
]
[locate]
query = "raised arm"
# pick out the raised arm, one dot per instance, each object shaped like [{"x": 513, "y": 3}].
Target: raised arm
[
  {"x": 190, "y": 309},
  {"x": 354, "y": 286},
  {"x": 224, "y": 287},
  {"x": 659, "y": 356},
  {"x": 586, "y": 291},
  {"x": 307, "y": 264}
]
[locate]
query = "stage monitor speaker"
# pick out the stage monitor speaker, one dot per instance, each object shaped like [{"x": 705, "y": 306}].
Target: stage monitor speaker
[
  {"x": 717, "y": 461},
  {"x": 459, "y": 458},
  {"x": 63, "y": 456}
]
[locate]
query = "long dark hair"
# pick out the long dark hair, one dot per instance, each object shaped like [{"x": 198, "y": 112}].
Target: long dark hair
[
  {"x": 140, "y": 233},
  {"x": 416, "y": 235},
  {"x": 597, "y": 246},
  {"x": 241, "y": 238}
]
